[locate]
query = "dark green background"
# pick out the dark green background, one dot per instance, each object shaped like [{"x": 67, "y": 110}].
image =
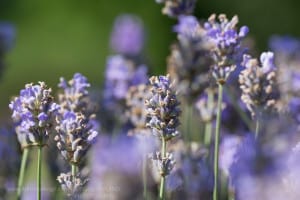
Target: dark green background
[{"x": 59, "y": 37}]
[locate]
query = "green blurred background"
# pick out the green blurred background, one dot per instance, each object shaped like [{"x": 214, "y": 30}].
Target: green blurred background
[{"x": 59, "y": 37}]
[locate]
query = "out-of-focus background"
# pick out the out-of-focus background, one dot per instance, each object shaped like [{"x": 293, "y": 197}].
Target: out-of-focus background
[{"x": 59, "y": 37}]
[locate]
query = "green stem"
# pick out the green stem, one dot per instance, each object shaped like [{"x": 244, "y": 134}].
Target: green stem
[
  {"x": 39, "y": 172},
  {"x": 21, "y": 174},
  {"x": 189, "y": 114},
  {"x": 257, "y": 128},
  {"x": 73, "y": 168},
  {"x": 145, "y": 193},
  {"x": 208, "y": 125},
  {"x": 217, "y": 137},
  {"x": 162, "y": 179}
]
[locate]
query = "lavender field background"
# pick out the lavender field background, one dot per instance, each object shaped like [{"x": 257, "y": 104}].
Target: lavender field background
[{"x": 143, "y": 100}]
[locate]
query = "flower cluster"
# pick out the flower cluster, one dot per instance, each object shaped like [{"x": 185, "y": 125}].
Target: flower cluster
[
  {"x": 175, "y": 8},
  {"x": 189, "y": 62},
  {"x": 227, "y": 49},
  {"x": 76, "y": 133},
  {"x": 258, "y": 82},
  {"x": 163, "y": 108},
  {"x": 34, "y": 114},
  {"x": 76, "y": 127}
]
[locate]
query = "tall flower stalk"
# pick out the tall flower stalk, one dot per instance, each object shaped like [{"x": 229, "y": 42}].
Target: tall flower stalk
[
  {"x": 33, "y": 115},
  {"x": 163, "y": 110},
  {"x": 226, "y": 53},
  {"x": 76, "y": 131},
  {"x": 217, "y": 138}
]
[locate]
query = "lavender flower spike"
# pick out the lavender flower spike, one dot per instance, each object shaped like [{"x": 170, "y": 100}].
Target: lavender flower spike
[
  {"x": 74, "y": 92},
  {"x": 127, "y": 37},
  {"x": 76, "y": 125},
  {"x": 34, "y": 114},
  {"x": 258, "y": 82},
  {"x": 189, "y": 63},
  {"x": 227, "y": 39},
  {"x": 163, "y": 108}
]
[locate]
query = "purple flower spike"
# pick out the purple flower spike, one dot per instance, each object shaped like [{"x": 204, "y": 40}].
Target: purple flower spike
[
  {"x": 33, "y": 114},
  {"x": 188, "y": 26},
  {"x": 227, "y": 51},
  {"x": 163, "y": 108},
  {"x": 258, "y": 83},
  {"x": 76, "y": 125},
  {"x": 128, "y": 35}
]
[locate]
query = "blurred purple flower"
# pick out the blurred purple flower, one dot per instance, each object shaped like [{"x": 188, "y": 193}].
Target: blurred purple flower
[
  {"x": 285, "y": 45},
  {"x": 176, "y": 8},
  {"x": 116, "y": 168},
  {"x": 188, "y": 26},
  {"x": 228, "y": 149},
  {"x": 7, "y": 36},
  {"x": 189, "y": 62},
  {"x": 127, "y": 37},
  {"x": 120, "y": 75}
]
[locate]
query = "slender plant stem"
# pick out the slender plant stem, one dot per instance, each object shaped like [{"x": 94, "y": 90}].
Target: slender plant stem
[
  {"x": 162, "y": 179},
  {"x": 189, "y": 114},
  {"x": 208, "y": 125},
  {"x": 145, "y": 193},
  {"x": 22, "y": 171},
  {"x": 257, "y": 128},
  {"x": 73, "y": 170},
  {"x": 217, "y": 137},
  {"x": 39, "y": 173}
]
